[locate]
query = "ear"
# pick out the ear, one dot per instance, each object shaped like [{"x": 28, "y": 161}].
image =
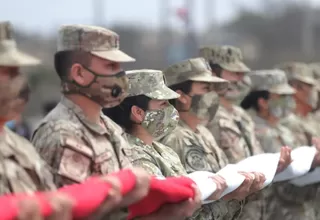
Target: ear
[
  {"x": 77, "y": 73},
  {"x": 137, "y": 114},
  {"x": 183, "y": 99},
  {"x": 262, "y": 103}
]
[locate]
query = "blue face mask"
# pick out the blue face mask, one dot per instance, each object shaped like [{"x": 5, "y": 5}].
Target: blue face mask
[{"x": 11, "y": 124}]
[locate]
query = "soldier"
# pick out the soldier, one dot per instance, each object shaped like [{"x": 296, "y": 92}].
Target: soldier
[
  {"x": 21, "y": 168},
  {"x": 231, "y": 126},
  {"x": 75, "y": 138},
  {"x": 147, "y": 116},
  {"x": 194, "y": 144},
  {"x": 301, "y": 121},
  {"x": 268, "y": 102}
]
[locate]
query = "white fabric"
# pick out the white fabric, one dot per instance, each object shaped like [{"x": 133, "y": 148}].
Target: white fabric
[
  {"x": 302, "y": 159},
  {"x": 207, "y": 186},
  {"x": 266, "y": 164},
  {"x": 308, "y": 179}
]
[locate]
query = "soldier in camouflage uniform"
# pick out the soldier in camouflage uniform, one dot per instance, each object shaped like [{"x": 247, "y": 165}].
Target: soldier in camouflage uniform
[
  {"x": 147, "y": 116},
  {"x": 21, "y": 168},
  {"x": 231, "y": 126},
  {"x": 268, "y": 103},
  {"x": 194, "y": 144},
  {"x": 302, "y": 121},
  {"x": 75, "y": 138}
]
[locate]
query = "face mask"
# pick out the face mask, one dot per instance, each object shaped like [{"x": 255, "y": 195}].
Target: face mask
[
  {"x": 236, "y": 91},
  {"x": 106, "y": 90},
  {"x": 12, "y": 102},
  {"x": 282, "y": 107},
  {"x": 161, "y": 122},
  {"x": 205, "y": 106},
  {"x": 313, "y": 99}
]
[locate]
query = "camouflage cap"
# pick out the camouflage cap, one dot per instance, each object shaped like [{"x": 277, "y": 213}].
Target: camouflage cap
[
  {"x": 298, "y": 71},
  {"x": 273, "y": 80},
  {"x": 228, "y": 57},
  {"x": 98, "y": 41},
  {"x": 195, "y": 69},
  {"x": 10, "y": 55},
  {"x": 150, "y": 83},
  {"x": 315, "y": 68}
]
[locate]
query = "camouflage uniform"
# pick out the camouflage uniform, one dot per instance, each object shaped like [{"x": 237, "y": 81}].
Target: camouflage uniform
[
  {"x": 21, "y": 168},
  {"x": 234, "y": 129},
  {"x": 198, "y": 150},
  {"x": 284, "y": 201},
  {"x": 73, "y": 146},
  {"x": 305, "y": 127}
]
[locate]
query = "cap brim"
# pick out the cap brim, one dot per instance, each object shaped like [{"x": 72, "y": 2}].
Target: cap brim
[
  {"x": 162, "y": 93},
  {"x": 307, "y": 80},
  {"x": 17, "y": 58},
  {"x": 205, "y": 77},
  {"x": 114, "y": 55},
  {"x": 283, "y": 90},
  {"x": 235, "y": 67}
]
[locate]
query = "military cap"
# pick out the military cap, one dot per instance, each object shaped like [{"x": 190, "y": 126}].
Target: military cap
[
  {"x": 315, "y": 68},
  {"x": 228, "y": 57},
  {"x": 10, "y": 55},
  {"x": 195, "y": 69},
  {"x": 150, "y": 83},
  {"x": 273, "y": 80},
  {"x": 98, "y": 41},
  {"x": 298, "y": 71}
]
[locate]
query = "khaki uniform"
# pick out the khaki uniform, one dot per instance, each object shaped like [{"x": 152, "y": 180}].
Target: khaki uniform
[
  {"x": 75, "y": 148},
  {"x": 234, "y": 129},
  {"x": 22, "y": 170},
  {"x": 198, "y": 151},
  {"x": 283, "y": 200}
]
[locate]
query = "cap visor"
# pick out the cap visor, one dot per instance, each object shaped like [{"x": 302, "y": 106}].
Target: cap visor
[
  {"x": 162, "y": 93},
  {"x": 205, "y": 77},
  {"x": 283, "y": 90},
  {"x": 236, "y": 67},
  {"x": 306, "y": 80},
  {"x": 18, "y": 58},
  {"x": 114, "y": 55}
]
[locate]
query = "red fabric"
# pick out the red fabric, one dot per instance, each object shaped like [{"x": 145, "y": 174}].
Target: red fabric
[
  {"x": 90, "y": 195},
  {"x": 169, "y": 190}
]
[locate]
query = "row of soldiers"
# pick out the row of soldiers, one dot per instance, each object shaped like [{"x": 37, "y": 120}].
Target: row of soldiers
[{"x": 189, "y": 117}]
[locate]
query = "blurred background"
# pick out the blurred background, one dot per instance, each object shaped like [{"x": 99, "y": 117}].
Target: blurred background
[{"x": 160, "y": 32}]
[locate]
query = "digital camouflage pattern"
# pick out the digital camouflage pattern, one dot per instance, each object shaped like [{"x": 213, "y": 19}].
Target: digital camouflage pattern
[
  {"x": 234, "y": 133},
  {"x": 196, "y": 69},
  {"x": 198, "y": 151},
  {"x": 98, "y": 41},
  {"x": 76, "y": 148},
  {"x": 228, "y": 57},
  {"x": 22, "y": 170},
  {"x": 150, "y": 83},
  {"x": 10, "y": 55},
  {"x": 282, "y": 200},
  {"x": 274, "y": 81},
  {"x": 298, "y": 71}
]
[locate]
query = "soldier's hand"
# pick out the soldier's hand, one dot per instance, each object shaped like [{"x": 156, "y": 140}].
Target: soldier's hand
[
  {"x": 61, "y": 208},
  {"x": 316, "y": 143},
  {"x": 140, "y": 190},
  {"x": 285, "y": 159},
  {"x": 177, "y": 211},
  {"x": 221, "y": 186},
  {"x": 243, "y": 190},
  {"x": 257, "y": 183}
]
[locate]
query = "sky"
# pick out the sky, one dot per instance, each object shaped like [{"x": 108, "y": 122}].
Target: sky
[{"x": 45, "y": 16}]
